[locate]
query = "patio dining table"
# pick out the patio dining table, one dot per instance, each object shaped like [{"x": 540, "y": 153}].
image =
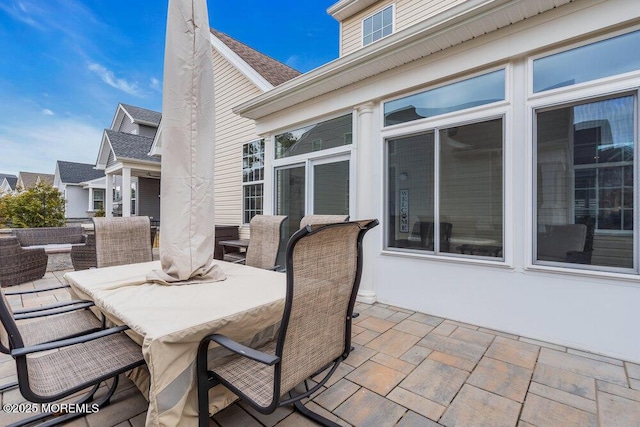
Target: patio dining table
[{"x": 169, "y": 322}]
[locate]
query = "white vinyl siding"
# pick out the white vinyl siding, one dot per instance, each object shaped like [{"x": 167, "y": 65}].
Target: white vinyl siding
[
  {"x": 231, "y": 89},
  {"x": 407, "y": 13}
]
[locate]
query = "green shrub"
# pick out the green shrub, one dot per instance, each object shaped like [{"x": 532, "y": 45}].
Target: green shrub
[{"x": 40, "y": 206}]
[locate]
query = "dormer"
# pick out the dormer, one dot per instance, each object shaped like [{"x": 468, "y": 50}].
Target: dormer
[
  {"x": 365, "y": 22},
  {"x": 135, "y": 120}
]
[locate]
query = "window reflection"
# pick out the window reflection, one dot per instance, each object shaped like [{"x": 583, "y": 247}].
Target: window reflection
[
  {"x": 609, "y": 57},
  {"x": 585, "y": 156},
  {"x": 469, "y": 93}
]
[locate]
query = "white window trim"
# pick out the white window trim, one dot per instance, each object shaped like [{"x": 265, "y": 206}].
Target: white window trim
[
  {"x": 458, "y": 118},
  {"x": 597, "y": 89},
  {"x": 507, "y": 95},
  {"x": 248, "y": 183},
  {"x": 591, "y": 84},
  {"x": 382, "y": 9},
  {"x": 343, "y": 152}
]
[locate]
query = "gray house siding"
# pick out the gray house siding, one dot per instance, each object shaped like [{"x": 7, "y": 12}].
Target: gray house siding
[
  {"x": 149, "y": 131},
  {"x": 77, "y": 202},
  {"x": 149, "y": 203},
  {"x": 127, "y": 126}
]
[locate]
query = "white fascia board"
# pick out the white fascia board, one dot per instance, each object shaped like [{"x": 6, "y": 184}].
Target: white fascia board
[
  {"x": 347, "y": 8},
  {"x": 103, "y": 152},
  {"x": 156, "y": 146},
  {"x": 95, "y": 183},
  {"x": 240, "y": 64},
  {"x": 120, "y": 111},
  {"x": 356, "y": 66}
]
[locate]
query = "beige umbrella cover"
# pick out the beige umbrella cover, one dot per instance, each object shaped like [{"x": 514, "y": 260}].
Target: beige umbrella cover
[{"x": 188, "y": 149}]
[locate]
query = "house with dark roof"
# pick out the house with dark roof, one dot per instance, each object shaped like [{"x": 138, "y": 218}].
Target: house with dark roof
[
  {"x": 494, "y": 140},
  {"x": 7, "y": 183},
  {"x": 27, "y": 180},
  {"x": 72, "y": 180},
  {"x": 132, "y": 174},
  {"x": 241, "y": 73}
]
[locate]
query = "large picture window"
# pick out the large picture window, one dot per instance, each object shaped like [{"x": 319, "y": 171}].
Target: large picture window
[
  {"x": 447, "y": 182},
  {"x": 585, "y": 183},
  {"x": 252, "y": 179}
]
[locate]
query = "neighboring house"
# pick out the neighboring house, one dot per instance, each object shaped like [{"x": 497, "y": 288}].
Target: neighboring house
[
  {"x": 505, "y": 128},
  {"x": 7, "y": 183},
  {"x": 241, "y": 73},
  {"x": 132, "y": 174},
  {"x": 80, "y": 201},
  {"x": 27, "y": 180}
]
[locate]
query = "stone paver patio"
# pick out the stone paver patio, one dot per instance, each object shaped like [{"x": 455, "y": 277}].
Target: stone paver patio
[{"x": 413, "y": 369}]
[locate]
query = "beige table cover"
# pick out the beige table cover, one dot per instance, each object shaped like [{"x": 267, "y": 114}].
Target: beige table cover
[{"x": 170, "y": 321}]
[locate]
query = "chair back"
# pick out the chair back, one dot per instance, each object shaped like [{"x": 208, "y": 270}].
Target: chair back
[
  {"x": 558, "y": 240},
  {"x": 122, "y": 240},
  {"x": 9, "y": 245},
  {"x": 322, "y": 219},
  {"x": 264, "y": 243},
  {"x": 9, "y": 333},
  {"x": 324, "y": 265}
]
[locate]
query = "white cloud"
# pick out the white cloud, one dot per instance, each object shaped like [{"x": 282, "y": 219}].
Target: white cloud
[
  {"x": 155, "y": 84},
  {"x": 109, "y": 78},
  {"x": 37, "y": 147},
  {"x": 47, "y": 112}
]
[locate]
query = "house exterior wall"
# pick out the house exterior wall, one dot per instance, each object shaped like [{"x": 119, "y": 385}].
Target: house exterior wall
[
  {"x": 148, "y": 131},
  {"x": 76, "y": 201},
  {"x": 232, "y": 131},
  {"x": 588, "y": 309},
  {"x": 127, "y": 125},
  {"x": 407, "y": 13},
  {"x": 149, "y": 202}
]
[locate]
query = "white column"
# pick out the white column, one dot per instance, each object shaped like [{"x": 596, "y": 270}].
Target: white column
[
  {"x": 90, "y": 204},
  {"x": 108, "y": 197},
  {"x": 126, "y": 191},
  {"x": 365, "y": 197}
]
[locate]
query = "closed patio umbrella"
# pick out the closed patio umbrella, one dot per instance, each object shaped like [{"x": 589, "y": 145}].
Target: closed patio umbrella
[{"x": 188, "y": 149}]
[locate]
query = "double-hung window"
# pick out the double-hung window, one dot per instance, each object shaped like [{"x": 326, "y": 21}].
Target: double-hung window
[
  {"x": 377, "y": 26},
  {"x": 98, "y": 199},
  {"x": 445, "y": 183},
  {"x": 252, "y": 179},
  {"x": 585, "y": 185}
]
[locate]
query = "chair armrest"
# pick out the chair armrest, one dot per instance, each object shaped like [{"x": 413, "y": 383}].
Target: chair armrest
[
  {"x": 52, "y": 309},
  {"x": 243, "y": 350},
  {"x": 53, "y": 345},
  {"x": 33, "y": 291}
]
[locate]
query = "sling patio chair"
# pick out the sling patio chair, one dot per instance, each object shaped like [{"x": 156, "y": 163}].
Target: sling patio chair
[
  {"x": 122, "y": 240},
  {"x": 264, "y": 244},
  {"x": 82, "y": 360},
  {"x": 40, "y": 325},
  {"x": 322, "y": 219},
  {"x": 324, "y": 266}
]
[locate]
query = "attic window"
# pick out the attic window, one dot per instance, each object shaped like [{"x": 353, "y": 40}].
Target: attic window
[{"x": 377, "y": 26}]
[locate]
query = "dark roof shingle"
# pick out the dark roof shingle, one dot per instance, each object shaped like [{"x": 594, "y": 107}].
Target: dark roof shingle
[
  {"x": 142, "y": 114},
  {"x": 128, "y": 146},
  {"x": 75, "y": 173},
  {"x": 273, "y": 71}
]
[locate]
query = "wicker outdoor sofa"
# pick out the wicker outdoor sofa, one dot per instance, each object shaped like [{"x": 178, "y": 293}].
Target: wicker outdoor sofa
[{"x": 19, "y": 265}]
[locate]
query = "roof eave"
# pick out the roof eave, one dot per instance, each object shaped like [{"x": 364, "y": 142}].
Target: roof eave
[
  {"x": 366, "y": 62},
  {"x": 347, "y": 8}
]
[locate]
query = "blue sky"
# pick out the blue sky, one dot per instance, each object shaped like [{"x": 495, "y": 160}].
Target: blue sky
[{"x": 65, "y": 65}]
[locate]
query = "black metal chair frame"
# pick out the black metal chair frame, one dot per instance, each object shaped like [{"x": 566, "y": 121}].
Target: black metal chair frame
[
  {"x": 207, "y": 379},
  {"x": 20, "y": 352}
]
